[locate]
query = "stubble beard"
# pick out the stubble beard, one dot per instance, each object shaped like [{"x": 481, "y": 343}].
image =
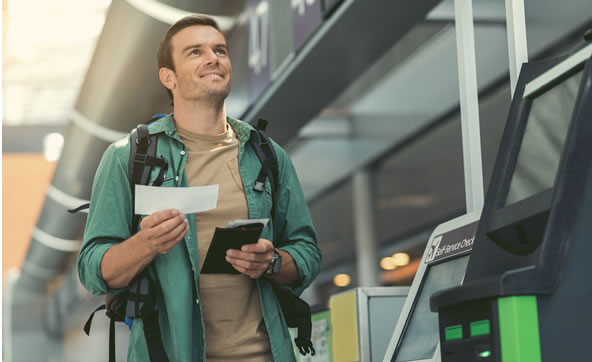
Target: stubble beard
[{"x": 208, "y": 95}]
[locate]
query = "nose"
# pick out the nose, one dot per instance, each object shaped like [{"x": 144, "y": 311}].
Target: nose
[{"x": 211, "y": 57}]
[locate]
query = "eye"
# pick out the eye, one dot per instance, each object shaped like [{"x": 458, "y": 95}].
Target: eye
[
  {"x": 221, "y": 51},
  {"x": 194, "y": 52}
]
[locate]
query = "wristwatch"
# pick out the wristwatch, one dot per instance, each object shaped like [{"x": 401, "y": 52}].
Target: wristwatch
[{"x": 275, "y": 264}]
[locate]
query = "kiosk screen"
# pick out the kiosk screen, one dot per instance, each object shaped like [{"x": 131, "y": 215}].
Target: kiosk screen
[
  {"x": 544, "y": 135},
  {"x": 421, "y": 334}
]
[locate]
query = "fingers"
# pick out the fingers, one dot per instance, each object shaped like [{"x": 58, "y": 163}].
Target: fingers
[
  {"x": 251, "y": 264},
  {"x": 262, "y": 246},
  {"x": 173, "y": 237},
  {"x": 250, "y": 257},
  {"x": 167, "y": 227},
  {"x": 247, "y": 265},
  {"x": 164, "y": 229},
  {"x": 249, "y": 268},
  {"x": 158, "y": 217}
]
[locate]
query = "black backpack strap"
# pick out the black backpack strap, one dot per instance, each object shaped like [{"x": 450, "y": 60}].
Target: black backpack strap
[
  {"x": 141, "y": 304},
  {"x": 297, "y": 314},
  {"x": 268, "y": 158},
  {"x": 141, "y": 161},
  {"x": 140, "y": 295},
  {"x": 90, "y": 319},
  {"x": 79, "y": 208},
  {"x": 112, "y": 340},
  {"x": 142, "y": 290},
  {"x": 111, "y": 331}
]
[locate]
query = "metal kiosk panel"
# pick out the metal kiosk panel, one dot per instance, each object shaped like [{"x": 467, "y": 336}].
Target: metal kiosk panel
[
  {"x": 363, "y": 319},
  {"x": 443, "y": 265}
]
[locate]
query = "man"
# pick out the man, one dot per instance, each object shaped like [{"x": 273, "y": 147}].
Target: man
[{"x": 236, "y": 316}]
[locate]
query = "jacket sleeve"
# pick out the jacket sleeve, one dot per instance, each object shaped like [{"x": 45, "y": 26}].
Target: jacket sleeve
[
  {"x": 109, "y": 217},
  {"x": 293, "y": 228}
]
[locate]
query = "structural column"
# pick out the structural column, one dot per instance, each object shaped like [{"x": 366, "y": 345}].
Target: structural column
[
  {"x": 517, "y": 45},
  {"x": 366, "y": 246},
  {"x": 469, "y": 104}
]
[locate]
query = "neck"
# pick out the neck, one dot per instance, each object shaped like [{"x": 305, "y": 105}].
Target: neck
[{"x": 201, "y": 118}]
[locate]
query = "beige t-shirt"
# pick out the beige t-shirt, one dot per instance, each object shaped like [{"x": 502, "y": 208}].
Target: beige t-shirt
[{"x": 235, "y": 329}]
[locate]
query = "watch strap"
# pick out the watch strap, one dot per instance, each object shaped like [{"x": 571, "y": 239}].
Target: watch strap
[{"x": 275, "y": 264}]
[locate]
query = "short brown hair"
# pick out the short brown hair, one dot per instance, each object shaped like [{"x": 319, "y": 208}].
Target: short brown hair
[{"x": 164, "y": 57}]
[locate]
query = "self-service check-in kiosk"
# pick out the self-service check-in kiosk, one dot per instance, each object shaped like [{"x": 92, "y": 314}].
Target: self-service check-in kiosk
[
  {"x": 442, "y": 266},
  {"x": 362, "y": 321},
  {"x": 527, "y": 294}
]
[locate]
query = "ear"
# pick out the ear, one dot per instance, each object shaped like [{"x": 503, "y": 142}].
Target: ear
[{"x": 167, "y": 78}]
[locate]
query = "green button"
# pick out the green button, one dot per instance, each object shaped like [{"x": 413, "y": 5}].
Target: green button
[
  {"x": 453, "y": 332},
  {"x": 485, "y": 354},
  {"x": 480, "y": 328}
]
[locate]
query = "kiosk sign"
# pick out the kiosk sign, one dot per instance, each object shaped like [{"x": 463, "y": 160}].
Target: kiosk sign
[{"x": 452, "y": 243}]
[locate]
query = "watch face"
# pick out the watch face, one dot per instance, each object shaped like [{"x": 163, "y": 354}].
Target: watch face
[{"x": 277, "y": 262}]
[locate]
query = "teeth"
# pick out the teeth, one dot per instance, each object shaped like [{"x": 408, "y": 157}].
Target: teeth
[{"x": 212, "y": 75}]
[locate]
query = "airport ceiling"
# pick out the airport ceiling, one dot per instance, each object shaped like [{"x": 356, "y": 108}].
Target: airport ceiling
[{"x": 48, "y": 46}]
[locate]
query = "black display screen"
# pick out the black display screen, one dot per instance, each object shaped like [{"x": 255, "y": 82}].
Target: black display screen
[{"x": 546, "y": 129}]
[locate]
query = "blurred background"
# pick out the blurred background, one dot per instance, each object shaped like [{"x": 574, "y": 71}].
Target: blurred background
[{"x": 363, "y": 94}]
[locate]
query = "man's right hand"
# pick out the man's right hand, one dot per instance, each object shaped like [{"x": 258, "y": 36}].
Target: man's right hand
[
  {"x": 163, "y": 230},
  {"x": 159, "y": 233}
]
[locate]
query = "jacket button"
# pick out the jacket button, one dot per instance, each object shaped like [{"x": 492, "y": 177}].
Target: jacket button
[
  {"x": 176, "y": 178},
  {"x": 197, "y": 301},
  {"x": 182, "y": 153}
]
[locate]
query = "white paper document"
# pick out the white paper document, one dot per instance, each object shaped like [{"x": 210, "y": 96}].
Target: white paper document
[{"x": 187, "y": 200}]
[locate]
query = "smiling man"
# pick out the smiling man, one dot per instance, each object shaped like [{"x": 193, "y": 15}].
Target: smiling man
[{"x": 218, "y": 317}]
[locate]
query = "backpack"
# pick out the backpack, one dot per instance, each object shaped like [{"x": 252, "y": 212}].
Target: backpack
[{"x": 139, "y": 300}]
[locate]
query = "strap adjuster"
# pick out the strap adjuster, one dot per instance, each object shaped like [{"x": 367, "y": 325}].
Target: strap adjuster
[
  {"x": 259, "y": 186},
  {"x": 139, "y": 157}
]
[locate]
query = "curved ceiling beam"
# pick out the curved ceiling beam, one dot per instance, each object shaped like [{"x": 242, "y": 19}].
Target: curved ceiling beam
[{"x": 169, "y": 14}]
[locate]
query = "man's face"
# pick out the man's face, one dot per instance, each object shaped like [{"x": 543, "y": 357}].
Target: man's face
[{"x": 202, "y": 64}]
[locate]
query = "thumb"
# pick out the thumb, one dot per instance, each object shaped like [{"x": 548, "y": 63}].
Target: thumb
[{"x": 262, "y": 246}]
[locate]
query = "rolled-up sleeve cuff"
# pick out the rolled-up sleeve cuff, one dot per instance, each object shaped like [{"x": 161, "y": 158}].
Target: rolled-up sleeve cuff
[
  {"x": 90, "y": 271},
  {"x": 304, "y": 272}
]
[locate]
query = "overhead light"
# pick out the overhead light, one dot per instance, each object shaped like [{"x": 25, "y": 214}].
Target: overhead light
[
  {"x": 342, "y": 280},
  {"x": 401, "y": 259},
  {"x": 388, "y": 263},
  {"x": 415, "y": 201},
  {"x": 52, "y": 146}
]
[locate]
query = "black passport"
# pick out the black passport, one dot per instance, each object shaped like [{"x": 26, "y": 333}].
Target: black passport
[{"x": 229, "y": 238}]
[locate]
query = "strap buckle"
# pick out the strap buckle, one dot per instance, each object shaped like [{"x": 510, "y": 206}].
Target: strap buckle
[
  {"x": 139, "y": 157},
  {"x": 259, "y": 186}
]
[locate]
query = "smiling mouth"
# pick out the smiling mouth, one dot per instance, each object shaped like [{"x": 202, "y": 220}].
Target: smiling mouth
[{"x": 212, "y": 76}]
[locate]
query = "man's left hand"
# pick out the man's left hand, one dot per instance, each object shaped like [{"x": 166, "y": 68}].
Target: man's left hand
[{"x": 253, "y": 259}]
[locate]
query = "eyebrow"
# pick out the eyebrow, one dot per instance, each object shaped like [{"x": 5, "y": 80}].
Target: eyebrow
[{"x": 193, "y": 46}]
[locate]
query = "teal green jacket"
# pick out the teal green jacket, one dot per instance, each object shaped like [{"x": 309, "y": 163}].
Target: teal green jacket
[{"x": 180, "y": 315}]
